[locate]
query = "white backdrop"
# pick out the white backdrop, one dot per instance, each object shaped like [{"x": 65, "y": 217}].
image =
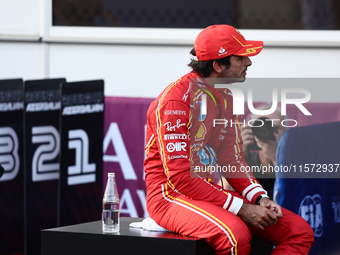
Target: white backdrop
[{"x": 141, "y": 62}]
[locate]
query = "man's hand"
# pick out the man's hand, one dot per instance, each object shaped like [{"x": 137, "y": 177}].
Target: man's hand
[
  {"x": 260, "y": 216},
  {"x": 268, "y": 147},
  {"x": 247, "y": 137},
  {"x": 271, "y": 205}
]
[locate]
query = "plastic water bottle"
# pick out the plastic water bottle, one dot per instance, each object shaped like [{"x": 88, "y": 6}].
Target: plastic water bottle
[{"x": 110, "y": 214}]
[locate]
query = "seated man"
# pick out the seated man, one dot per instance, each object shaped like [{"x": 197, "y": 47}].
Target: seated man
[{"x": 181, "y": 140}]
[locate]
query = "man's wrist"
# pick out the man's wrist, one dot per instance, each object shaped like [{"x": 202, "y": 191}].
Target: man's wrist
[
  {"x": 235, "y": 206},
  {"x": 258, "y": 199}
]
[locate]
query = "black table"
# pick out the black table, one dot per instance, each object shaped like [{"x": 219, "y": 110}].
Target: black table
[{"x": 88, "y": 238}]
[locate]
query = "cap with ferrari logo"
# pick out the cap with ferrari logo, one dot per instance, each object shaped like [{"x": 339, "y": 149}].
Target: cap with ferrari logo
[{"x": 219, "y": 41}]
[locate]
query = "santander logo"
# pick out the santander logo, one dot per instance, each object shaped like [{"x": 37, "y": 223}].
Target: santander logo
[{"x": 222, "y": 51}]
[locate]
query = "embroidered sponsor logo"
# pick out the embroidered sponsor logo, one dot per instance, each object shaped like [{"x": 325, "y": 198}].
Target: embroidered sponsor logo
[
  {"x": 207, "y": 155},
  {"x": 171, "y": 147},
  {"x": 174, "y": 112},
  {"x": 198, "y": 96},
  {"x": 170, "y": 128},
  {"x": 175, "y": 136},
  {"x": 202, "y": 115},
  {"x": 251, "y": 50},
  {"x": 238, "y": 31},
  {"x": 196, "y": 146},
  {"x": 177, "y": 156},
  {"x": 201, "y": 132},
  {"x": 200, "y": 83},
  {"x": 222, "y": 51},
  {"x": 185, "y": 96}
]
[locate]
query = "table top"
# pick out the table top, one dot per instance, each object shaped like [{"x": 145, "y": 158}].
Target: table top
[{"x": 95, "y": 227}]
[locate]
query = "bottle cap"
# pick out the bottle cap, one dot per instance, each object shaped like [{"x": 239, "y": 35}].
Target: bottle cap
[{"x": 111, "y": 174}]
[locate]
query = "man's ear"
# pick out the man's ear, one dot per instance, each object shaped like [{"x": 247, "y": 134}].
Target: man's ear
[{"x": 217, "y": 67}]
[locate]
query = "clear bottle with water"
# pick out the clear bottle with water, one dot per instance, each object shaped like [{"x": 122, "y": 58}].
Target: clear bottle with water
[{"x": 110, "y": 214}]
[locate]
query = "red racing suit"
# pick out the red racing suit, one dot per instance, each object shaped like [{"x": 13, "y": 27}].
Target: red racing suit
[
  {"x": 183, "y": 150},
  {"x": 174, "y": 130}
]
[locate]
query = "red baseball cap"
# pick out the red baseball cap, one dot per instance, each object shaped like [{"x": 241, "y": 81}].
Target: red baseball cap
[{"x": 219, "y": 41}]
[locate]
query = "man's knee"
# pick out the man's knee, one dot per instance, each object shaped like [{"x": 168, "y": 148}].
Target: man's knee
[
  {"x": 306, "y": 233},
  {"x": 300, "y": 233},
  {"x": 244, "y": 236},
  {"x": 238, "y": 240}
]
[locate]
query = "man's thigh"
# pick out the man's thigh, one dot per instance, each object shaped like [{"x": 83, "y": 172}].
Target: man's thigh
[{"x": 222, "y": 229}]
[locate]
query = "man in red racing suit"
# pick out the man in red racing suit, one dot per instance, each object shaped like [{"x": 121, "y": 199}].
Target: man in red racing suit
[{"x": 185, "y": 146}]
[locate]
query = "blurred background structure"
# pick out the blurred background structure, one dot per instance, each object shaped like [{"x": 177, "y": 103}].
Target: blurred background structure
[{"x": 138, "y": 47}]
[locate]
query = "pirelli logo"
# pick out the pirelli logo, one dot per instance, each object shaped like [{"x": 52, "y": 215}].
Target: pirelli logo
[{"x": 175, "y": 136}]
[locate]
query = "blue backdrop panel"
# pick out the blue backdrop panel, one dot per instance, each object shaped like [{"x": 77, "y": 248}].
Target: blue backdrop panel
[{"x": 317, "y": 200}]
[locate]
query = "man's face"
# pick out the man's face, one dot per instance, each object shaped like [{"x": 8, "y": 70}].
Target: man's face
[{"x": 237, "y": 69}]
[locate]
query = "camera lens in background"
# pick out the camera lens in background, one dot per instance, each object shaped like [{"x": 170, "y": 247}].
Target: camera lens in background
[{"x": 263, "y": 129}]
